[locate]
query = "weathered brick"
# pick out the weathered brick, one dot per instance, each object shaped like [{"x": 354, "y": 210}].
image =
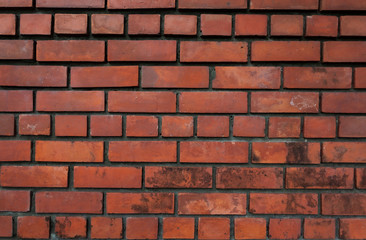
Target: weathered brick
[
  {"x": 107, "y": 24},
  {"x": 352, "y": 228},
  {"x": 33, "y": 227},
  {"x": 142, "y": 228},
  {"x": 70, "y": 227},
  {"x": 250, "y": 228},
  {"x": 142, "y": 126},
  {"x": 175, "y": 126},
  {"x": 178, "y": 227},
  {"x": 106, "y": 228},
  {"x": 343, "y": 204},
  {"x": 249, "y": 126},
  {"x": 321, "y": 26},
  {"x": 284, "y": 127},
  {"x": 284, "y": 228},
  {"x": 213, "y": 228},
  {"x": 71, "y": 23},
  {"x": 344, "y": 152},
  {"x": 319, "y": 228},
  {"x": 360, "y": 176},
  {"x": 34, "y": 124},
  {"x": 213, "y": 126},
  {"x": 16, "y": 49}
]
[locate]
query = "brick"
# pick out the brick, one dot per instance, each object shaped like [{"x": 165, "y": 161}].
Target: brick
[
  {"x": 140, "y": 203},
  {"x": 344, "y": 152},
  {"x": 142, "y": 50},
  {"x": 209, "y": 51},
  {"x": 70, "y": 101},
  {"x": 175, "y": 126},
  {"x": 107, "y": 177},
  {"x": 213, "y": 228},
  {"x": 64, "y": 151},
  {"x": 14, "y": 201},
  {"x": 18, "y": 3},
  {"x": 70, "y": 51},
  {"x": 16, "y": 49},
  {"x": 286, "y": 152},
  {"x": 70, "y": 3},
  {"x": 249, "y": 126},
  {"x": 250, "y": 228},
  {"x": 344, "y": 102},
  {"x": 352, "y": 127},
  {"x": 6, "y": 226},
  {"x": 142, "y": 151},
  {"x": 360, "y": 176},
  {"x": 352, "y": 228},
  {"x": 35, "y": 24},
  {"x": 213, "y": 126},
  {"x": 71, "y": 125},
  {"x": 106, "y": 126},
  {"x": 345, "y": 51},
  {"x": 336, "y": 5},
  {"x": 106, "y": 228},
  {"x": 201, "y": 102},
  {"x": 34, "y": 124},
  {"x": 143, "y": 24},
  {"x": 287, "y": 25},
  {"x": 247, "y": 78},
  {"x": 285, "y": 51},
  {"x": 178, "y": 177},
  {"x": 343, "y": 204},
  {"x": 318, "y": 77},
  {"x": 353, "y": 26},
  {"x": 250, "y": 25},
  {"x": 69, "y": 202},
  {"x": 321, "y": 26},
  {"x": 135, "y": 102},
  {"x": 143, "y": 4},
  {"x": 34, "y": 176},
  {"x": 7, "y": 125},
  {"x": 216, "y": 25},
  {"x": 284, "y": 228},
  {"x": 71, "y": 23},
  {"x": 214, "y": 152},
  {"x": 70, "y": 227},
  {"x": 107, "y": 24},
  {"x": 33, "y": 227},
  {"x": 249, "y": 178},
  {"x": 142, "y": 126},
  {"x": 174, "y": 77},
  {"x": 16, "y": 101},
  {"x": 142, "y": 228},
  {"x": 178, "y": 227},
  {"x": 284, "y": 4},
  {"x": 15, "y": 151},
  {"x": 180, "y": 24},
  {"x": 319, "y": 127},
  {"x": 283, "y": 203},
  {"x": 211, "y": 204},
  {"x": 284, "y": 127},
  {"x": 285, "y": 102},
  {"x": 7, "y": 26},
  {"x": 213, "y": 4},
  {"x": 360, "y": 79},
  {"x": 319, "y": 228}
]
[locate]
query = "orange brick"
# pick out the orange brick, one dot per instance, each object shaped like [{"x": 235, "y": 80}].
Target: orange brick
[
  {"x": 15, "y": 151},
  {"x": 107, "y": 24},
  {"x": 216, "y": 25},
  {"x": 7, "y": 26},
  {"x": 16, "y": 101},
  {"x": 71, "y": 125},
  {"x": 106, "y": 125},
  {"x": 213, "y": 228},
  {"x": 106, "y": 228},
  {"x": 173, "y": 126},
  {"x": 14, "y": 201},
  {"x": 6, "y": 226},
  {"x": 213, "y": 126},
  {"x": 343, "y": 204},
  {"x": 71, "y": 23},
  {"x": 213, "y": 4},
  {"x": 321, "y": 26},
  {"x": 142, "y": 228},
  {"x": 319, "y": 127},
  {"x": 285, "y": 228},
  {"x": 250, "y": 228},
  {"x": 144, "y": 4},
  {"x": 344, "y": 152},
  {"x": 287, "y": 25},
  {"x": 70, "y": 227},
  {"x": 248, "y": 126},
  {"x": 34, "y": 124},
  {"x": 143, "y": 24},
  {"x": 180, "y": 25},
  {"x": 284, "y": 127},
  {"x": 352, "y": 228},
  {"x": 70, "y": 3},
  {"x": 142, "y": 126},
  {"x": 16, "y": 49},
  {"x": 7, "y": 125},
  {"x": 33, "y": 227},
  {"x": 35, "y": 24},
  {"x": 250, "y": 25},
  {"x": 178, "y": 227},
  {"x": 319, "y": 228}
]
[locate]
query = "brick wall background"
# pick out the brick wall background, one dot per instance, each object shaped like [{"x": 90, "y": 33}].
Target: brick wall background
[{"x": 183, "y": 119}]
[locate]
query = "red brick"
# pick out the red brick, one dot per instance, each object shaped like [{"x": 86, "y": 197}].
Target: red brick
[
  {"x": 202, "y": 102},
  {"x": 216, "y": 25},
  {"x": 344, "y": 51},
  {"x": 178, "y": 177},
  {"x": 15, "y": 151},
  {"x": 34, "y": 124},
  {"x": 142, "y": 126},
  {"x": 107, "y": 177},
  {"x": 144, "y": 4},
  {"x": 106, "y": 126},
  {"x": 283, "y": 203},
  {"x": 213, "y": 4},
  {"x": 212, "y": 203},
  {"x": 70, "y": 51},
  {"x": 319, "y": 228},
  {"x": 213, "y": 126},
  {"x": 106, "y": 228},
  {"x": 142, "y": 50},
  {"x": 353, "y": 26},
  {"x": 284, "y": 4},
  {"x": 143, "y": 24},
  {"x": 35, "y": 24},
  {"x": 16, "y": 49},
  {"x": 249, "y": 126},
  {"x": 7, "y": 26},
  {"x": 209, "y": 51},
  {"x": 70, "y": 227},
  {"x": 287, "y": 25},
  {"x": 343, "y": 204},
  {"x": 352, "y": 127},
  {"x": 344, "y": 152},
  {"x": 64, "y": 151},
  {"x": 285, "y": 102},
  {"x": 360, "y": 176},
  {"x": 321, "y": 26},
  {"x": 247, "y": 78},
  {"x": 147, "y": 203},
  {"x": 143, "y": 151},
  {"x": 69, "y": 202},
  {"x": 70, "y": 3},
  {"x": 178, "y": 227},
  {"x": 107, "y": 24},
  {"x": 284, "y": 228},
  {"x": 286, "y": 152},
  {"x": 33, "y": 227},
  {"x": 319, "y": 127},
  {"x": 6, "y": 226},
  {"x": 250, "y": 228},
  {"x": 213, "y": 228},
  {"x": 180, "y": 25},
  {"x": 283, "y": 51},
  {"x": 16, "y": 101},
  {"x": 71, "y": 23},
  {"x": 18, "y": 3},
  {"x": 284, "y": 127},
  {"x": 6, "y": 125},
  {"x": 71, "y": 125},
  {"x": 344, "y": 102},
  {"x": 34, "y": 176},
  {"x": 250, "y": 25},
  {"x": 352, "y": 228},
  {"x": 135, "y": 102},
  {"x": 360, "y": 77},
  {"x": 175, "y": 126},
  {"x": 249, "y": 178},
  {"x": 142, "y": 228},
  {"x": 214, "y": 152},
  {"x": 14, "y": 201},
  {"x": 334, "y": 5}
]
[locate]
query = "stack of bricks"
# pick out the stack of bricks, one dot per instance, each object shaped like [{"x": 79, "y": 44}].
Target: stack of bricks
[{"x": 183, "y": 119}]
